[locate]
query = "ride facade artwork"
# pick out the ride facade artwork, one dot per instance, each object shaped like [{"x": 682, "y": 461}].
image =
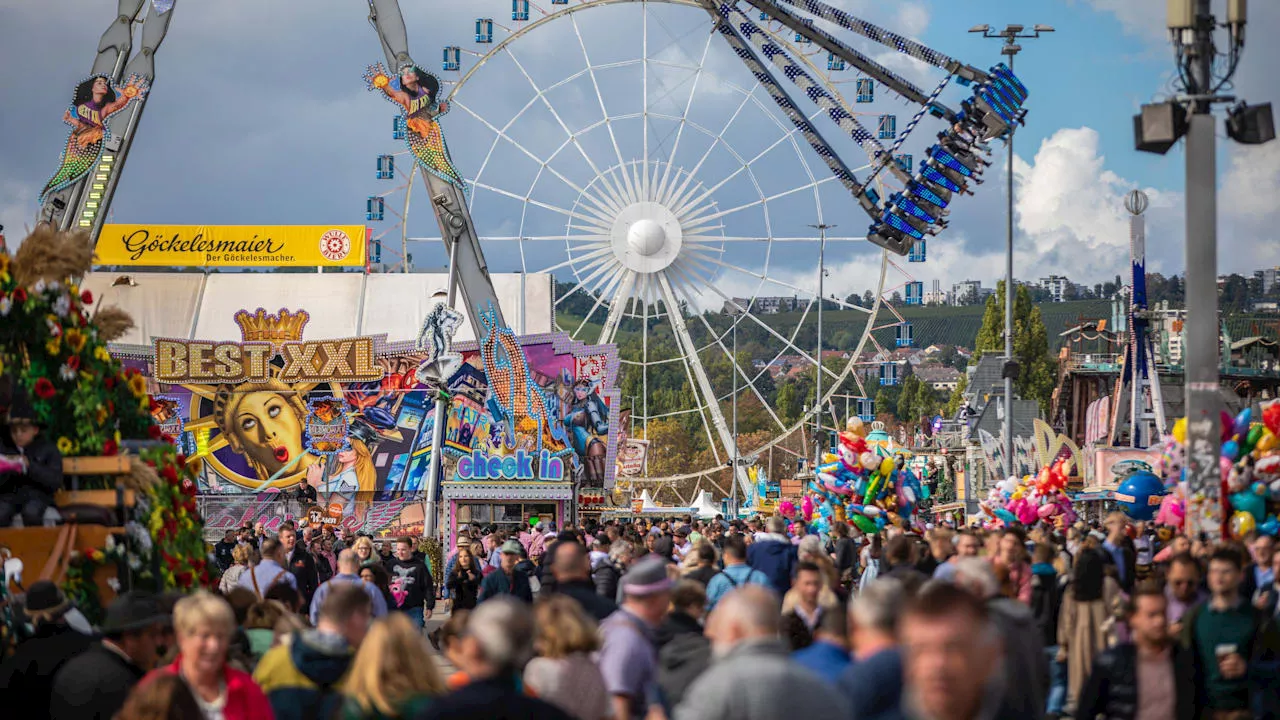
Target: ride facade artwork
[
  {"x": 95, "y": 100},
  {"x": 417, "y": 92},
  {"x": 273, "y": 413}
]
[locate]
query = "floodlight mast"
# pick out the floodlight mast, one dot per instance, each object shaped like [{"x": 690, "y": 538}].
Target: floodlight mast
[
  {"x": 1009, "y": 36},
  {"x": 1191, "y": 28}
]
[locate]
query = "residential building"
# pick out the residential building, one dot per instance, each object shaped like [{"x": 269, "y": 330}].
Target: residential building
[
  {"x": 938, "y": 377},
  {"x": 763, "y": 305},
  {"x": 1268, "y": 276},
  {"x": 966, "y": 291},
  {"x": 1057, "y": 287}
]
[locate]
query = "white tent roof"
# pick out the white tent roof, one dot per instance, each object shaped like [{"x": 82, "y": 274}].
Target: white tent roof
[
  {"x": 705, "y": 507},
  {"x": 647, "y": 500},
  {"x": 197, "y": 306}
]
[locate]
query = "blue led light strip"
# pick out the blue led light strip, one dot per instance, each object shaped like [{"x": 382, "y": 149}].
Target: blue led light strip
[
  {"x": 814, "y": 90},
  {"x": 877, "y": 33},
  {"x": 788, "y": 107}
]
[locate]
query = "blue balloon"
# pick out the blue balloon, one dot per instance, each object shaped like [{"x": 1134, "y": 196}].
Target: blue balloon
[
  {"x": 1270, "y": 527},
  {"x": 1241, "y": 425},
  {"x": 1230, "y": 449},
  {"x": 1140, "y": 494}
]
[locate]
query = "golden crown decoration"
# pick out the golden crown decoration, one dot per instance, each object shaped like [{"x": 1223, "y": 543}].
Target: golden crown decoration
[{"x": 275, "y": 328}]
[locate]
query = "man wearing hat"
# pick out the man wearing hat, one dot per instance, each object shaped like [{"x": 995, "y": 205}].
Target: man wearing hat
[
  {"x": 96, "y": 683},
  {"x": 30, "y": 465},
  {"x": 507, "y": 580},
  {"x": 26, "y": 679},
  {"x": 628, "y": 659}
]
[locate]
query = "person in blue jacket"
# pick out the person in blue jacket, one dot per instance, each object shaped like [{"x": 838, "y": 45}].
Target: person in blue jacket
[{"x": 774, "y": 555}]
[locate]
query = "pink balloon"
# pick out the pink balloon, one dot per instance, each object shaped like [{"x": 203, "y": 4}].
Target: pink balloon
[
  {"x": 1171, "y": 511},
  {"x": 1047, "y": 511}
]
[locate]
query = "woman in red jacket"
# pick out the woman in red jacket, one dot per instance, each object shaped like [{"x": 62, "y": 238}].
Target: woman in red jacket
[{"x": 204, "y": 624}]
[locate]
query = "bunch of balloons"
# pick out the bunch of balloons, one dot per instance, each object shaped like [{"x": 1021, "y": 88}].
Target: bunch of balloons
[
  {"x": 862, "y": 485},
  {"x": 1031, "y": 499},
  {"x": 1249, "y": 466}
]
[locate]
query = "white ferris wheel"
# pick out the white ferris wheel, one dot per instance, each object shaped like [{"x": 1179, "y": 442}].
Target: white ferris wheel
[{"x": 624, "y": 147}]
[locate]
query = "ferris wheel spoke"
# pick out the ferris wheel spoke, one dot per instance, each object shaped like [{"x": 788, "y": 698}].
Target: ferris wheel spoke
[
  {"x": 696, "y": 220},
  {"x": 719, "y": 341},
  {"x": 539, "y": 203},
  {"x": 575, "y": 259},
  {"x": 644, "y": 86},
  {"x": 501, "y": 134},
  {"x": 765, "y": 326},
  {"x": 594, "y": 270},
  {"x": 540, "y": 94},
  {"x": 693, "y": 91},
  {"x": 775, "y": 281},
  {"x": 615, "y": 278},
  {"x": 595, "y": 84},
  {"x": 617, "y": 308},
  {"x": 740, "y": 238},
  {"x": 716, "y": 140}
]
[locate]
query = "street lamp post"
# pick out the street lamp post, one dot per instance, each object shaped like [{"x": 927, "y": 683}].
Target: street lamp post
[
  {"x": 1010, "y": 36},
  {"x": 733, "y": 478},
  {"x": 822, "y": 229}
]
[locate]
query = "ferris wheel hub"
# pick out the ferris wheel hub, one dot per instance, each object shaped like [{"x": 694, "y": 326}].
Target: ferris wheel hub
[{"x": 646, "y": 237}]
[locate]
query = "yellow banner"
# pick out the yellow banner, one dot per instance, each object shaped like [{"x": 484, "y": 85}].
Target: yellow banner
[{"x": 232, "y": 245}]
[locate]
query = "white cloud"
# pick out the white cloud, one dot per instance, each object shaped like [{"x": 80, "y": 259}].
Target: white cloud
[
  {"x": 911, "y": 20},
  {"x": 1070, "y": 214},
  {"x": 1144, "y": 18},
  {"x": 1248, "y": 214}
]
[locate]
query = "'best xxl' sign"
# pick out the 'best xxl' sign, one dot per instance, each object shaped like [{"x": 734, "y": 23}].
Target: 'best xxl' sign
[{"x": 194, "y": 361}]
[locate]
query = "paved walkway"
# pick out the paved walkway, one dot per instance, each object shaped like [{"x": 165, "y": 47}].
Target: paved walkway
[{"x": 438, "y": 618}]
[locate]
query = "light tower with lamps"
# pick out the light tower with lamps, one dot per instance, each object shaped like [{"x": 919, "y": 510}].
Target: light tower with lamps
[
  {"x": 1010, "y": 35},
  {"x": 1205, "y": 66}
]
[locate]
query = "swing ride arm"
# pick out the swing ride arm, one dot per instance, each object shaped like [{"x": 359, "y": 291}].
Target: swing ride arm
[
  {"x": 84, "y": 203},
  {"x": 468, "y": 269}
]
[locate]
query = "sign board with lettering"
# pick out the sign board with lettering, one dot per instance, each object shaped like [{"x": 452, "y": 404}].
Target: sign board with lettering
[
  {"x": 354, "y": 419},
  {"x": 232, "y": 245}
]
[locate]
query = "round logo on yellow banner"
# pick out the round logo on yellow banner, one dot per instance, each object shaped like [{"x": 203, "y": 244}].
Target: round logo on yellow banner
[{"x": 335, "y": 245}]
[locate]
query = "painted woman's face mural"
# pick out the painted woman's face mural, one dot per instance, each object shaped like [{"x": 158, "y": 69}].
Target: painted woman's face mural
[
  {"x": 264, "y": 423},
  {"x": 268, "y": 429}
]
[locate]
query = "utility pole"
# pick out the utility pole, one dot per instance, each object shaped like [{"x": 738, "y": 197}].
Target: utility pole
[
  {"x": 1191, "y": 25},
  {"x": 733, "y": 480},
  {"x": 822, "y": 229},
  {"x": 1010, "y": 37}
]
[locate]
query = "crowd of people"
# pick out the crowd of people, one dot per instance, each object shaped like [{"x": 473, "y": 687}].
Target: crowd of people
[{"x": 685, "y": 619}]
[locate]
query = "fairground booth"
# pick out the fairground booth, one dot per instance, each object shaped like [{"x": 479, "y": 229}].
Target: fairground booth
[{"x": 315, "y": 399}]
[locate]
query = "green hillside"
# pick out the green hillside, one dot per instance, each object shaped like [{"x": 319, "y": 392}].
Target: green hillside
[{"x": 933, "y": 325}]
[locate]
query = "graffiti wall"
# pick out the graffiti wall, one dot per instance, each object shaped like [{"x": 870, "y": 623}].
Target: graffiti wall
[{"x": 273, "y": 416}]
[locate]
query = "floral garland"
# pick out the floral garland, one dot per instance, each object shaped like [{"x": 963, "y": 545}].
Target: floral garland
[
  {"x": 85, "y": 398},
  {"x": 87, "y": 402},
  {"x": 79, "y": 585},
  {"x": 171, "y": 518}
]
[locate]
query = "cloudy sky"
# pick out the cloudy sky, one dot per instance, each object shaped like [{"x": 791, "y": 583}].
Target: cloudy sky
[{"x": 259, "y": 116}]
